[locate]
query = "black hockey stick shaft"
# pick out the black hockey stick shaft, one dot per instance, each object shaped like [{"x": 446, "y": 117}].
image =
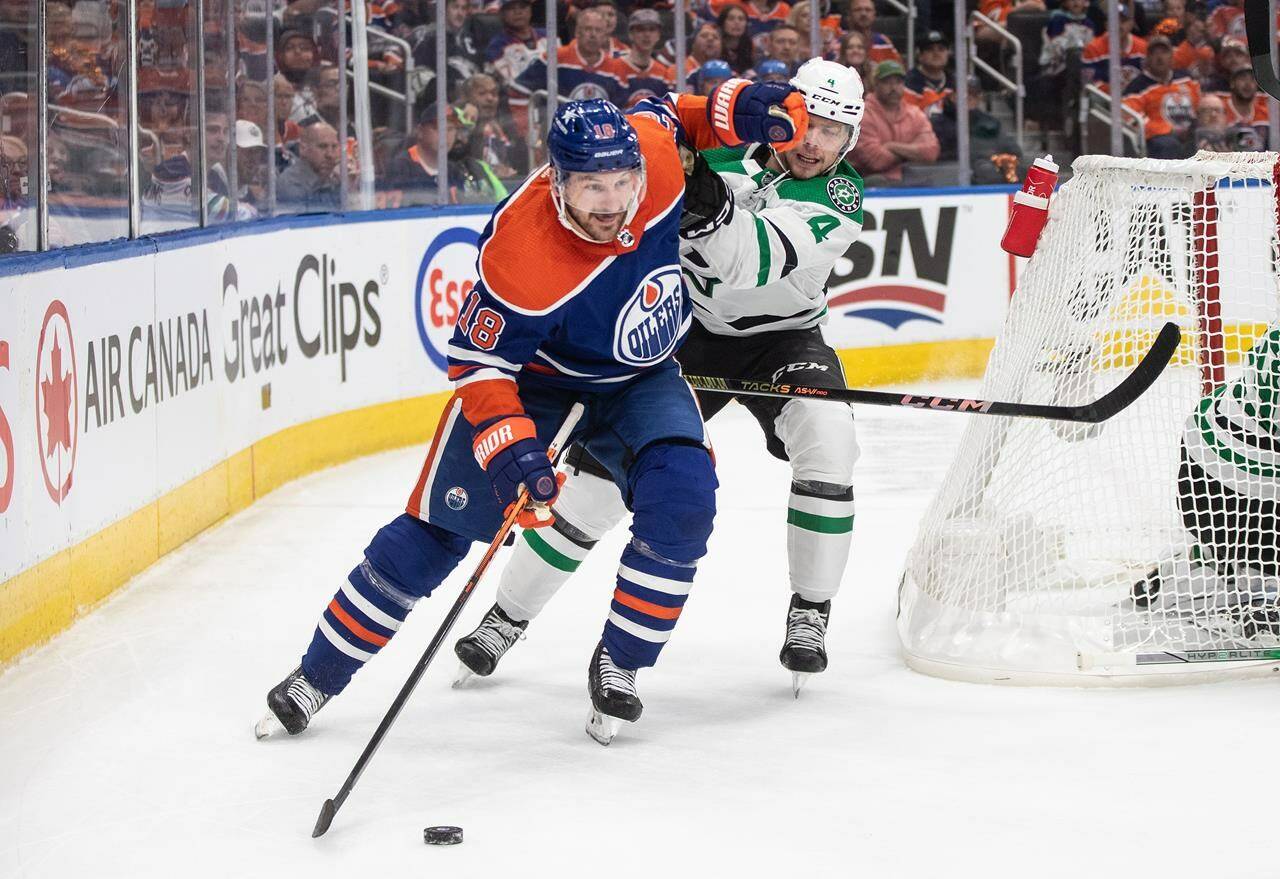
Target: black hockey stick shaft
[
  {"x": 1259, "y": 28},
  {"x": 331, "y": 807},
  {"x": 1134, "y": 385}
]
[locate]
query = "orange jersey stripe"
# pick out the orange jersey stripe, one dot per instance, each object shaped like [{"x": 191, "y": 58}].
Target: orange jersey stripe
[
  {"x": 653, "y": 610},
  {"x": 356, "y": 629}
]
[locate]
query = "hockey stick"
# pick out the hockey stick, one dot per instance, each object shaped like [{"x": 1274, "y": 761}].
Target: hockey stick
[
  {"x": 331, "y": 807},
  {"x": 1257, "y": 28},
  {"x": 1119, "y": 397}
]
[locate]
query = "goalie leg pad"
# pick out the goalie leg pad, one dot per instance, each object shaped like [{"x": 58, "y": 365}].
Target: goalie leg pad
[{"x": 405, "y": 561}]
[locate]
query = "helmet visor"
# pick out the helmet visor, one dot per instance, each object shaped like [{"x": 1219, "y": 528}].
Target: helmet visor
[{"x": 601, "y": 192}]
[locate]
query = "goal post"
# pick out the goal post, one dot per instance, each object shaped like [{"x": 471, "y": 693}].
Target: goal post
[{"x": 1145, "y": 549}]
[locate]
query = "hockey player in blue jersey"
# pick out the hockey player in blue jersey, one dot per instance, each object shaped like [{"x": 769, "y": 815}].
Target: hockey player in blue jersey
[{"x": 580, "y": 299}]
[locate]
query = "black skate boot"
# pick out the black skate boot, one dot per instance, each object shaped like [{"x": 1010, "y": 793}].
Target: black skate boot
[
  {"x": 804, "y": 652},
  {"x": 1146, "y": 590},
  {"x": 481, "y": 650},
  {"x": 292, "y": 703},
  {"x": 613, "y": 696}
]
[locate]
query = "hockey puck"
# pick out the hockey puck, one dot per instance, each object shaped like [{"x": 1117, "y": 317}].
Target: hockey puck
[{"x": 442, "y": 836}]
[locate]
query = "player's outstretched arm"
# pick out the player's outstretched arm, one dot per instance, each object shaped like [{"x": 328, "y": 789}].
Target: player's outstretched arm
[{"x": 739, "y": 111}]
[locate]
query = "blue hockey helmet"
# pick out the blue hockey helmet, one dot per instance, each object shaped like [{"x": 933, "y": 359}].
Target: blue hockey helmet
[{"x": 592, "y": 136}]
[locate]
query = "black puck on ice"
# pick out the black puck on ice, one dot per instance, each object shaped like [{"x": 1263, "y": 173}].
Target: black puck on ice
[{"x": 442, "y": 836}]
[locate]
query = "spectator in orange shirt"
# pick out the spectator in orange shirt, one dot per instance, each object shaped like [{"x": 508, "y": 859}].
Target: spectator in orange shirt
[
  {"x": 1244, "y": 107},
  {"x": 1232, "y": 55},
  {"x": 1168, "y": 100},
  {"x": 894, "y": 134},
  {"x": 1194, "y": 53},
  {"x": 861, "y": 17},
  {"x": 930, "y": 83},
  {"x": 1228, "y": 20}
]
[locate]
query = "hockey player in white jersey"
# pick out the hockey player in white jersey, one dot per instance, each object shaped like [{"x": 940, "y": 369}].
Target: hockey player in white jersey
[{"x": 762, "y": 233}]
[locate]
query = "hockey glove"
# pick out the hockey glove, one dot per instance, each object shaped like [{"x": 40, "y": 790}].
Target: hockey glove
[
  {"x": 708, "y": 204},
  {"x": 741, "y": 111},
  {"x": 510, "y": 454}
]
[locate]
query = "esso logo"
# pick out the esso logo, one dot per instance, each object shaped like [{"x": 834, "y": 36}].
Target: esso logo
[
  {"x": 649, "y": 324},
  {"x": 445, "y": 278}
]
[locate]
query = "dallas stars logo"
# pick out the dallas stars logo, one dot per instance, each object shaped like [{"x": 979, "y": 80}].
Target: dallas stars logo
[{"x": 843, "y": 194}]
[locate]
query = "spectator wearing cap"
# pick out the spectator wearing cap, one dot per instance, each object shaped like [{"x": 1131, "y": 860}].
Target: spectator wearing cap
[
  {"x": 643, "y": 75},
  {"x": 519, "y": 44},
  {"x": 895, "y": 134},
  {"x": 710, "y": 76},
  {"x": 313, "y": 183},
  {"x": 462, "y": 58},
  {"x": 608, "y": 10},
  {"x": 1167, "y": 99},
  {"x": 929, "y": 82},
  {"x": 493, "y": 138},
  {"x": 415, "y": 170},
  {"x": 1244, "y": 106},
  {"x": 861, "y": 17},
  {"x": 251, "y": 165},
  {"x": 296, "y": 54},
  {"x": 735, "y": 38},
  {"x": 585, "y": 69},
  {"x": 1095, "y": 61},
  {"x": 772, "y": 70},
  {"x": 1232, "y": 55}
]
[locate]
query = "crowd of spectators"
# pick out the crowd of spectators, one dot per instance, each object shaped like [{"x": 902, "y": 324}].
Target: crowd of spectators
[{"x": 274, "y": 91}]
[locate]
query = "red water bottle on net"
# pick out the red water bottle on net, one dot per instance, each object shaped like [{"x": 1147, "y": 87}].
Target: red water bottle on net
[{"x": 1030, "y": 208}]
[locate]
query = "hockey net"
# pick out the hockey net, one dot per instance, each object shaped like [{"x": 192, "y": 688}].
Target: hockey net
[{"x": 1062, "y": 553}]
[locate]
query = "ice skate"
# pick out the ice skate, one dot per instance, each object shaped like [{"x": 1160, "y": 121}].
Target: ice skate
[
  {"x": 614, "y": 699},
  {"x": 481, "y": 650},
  {"x": 291, "y": 703},
  {"x": 804, "y": 652}
]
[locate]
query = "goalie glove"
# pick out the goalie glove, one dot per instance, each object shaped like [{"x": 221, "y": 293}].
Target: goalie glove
[{"x": 708, "y": 204}]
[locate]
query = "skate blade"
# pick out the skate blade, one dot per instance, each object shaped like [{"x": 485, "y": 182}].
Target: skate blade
[
  {"x": 602, "y": 727},
  {"x": 267, "y": 727},
  {"x": 464, "y": 674},
  {"x": 798, "y": 679}
]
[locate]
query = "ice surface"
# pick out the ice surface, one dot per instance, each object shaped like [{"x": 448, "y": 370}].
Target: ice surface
[{"x": 126, "y": 746}]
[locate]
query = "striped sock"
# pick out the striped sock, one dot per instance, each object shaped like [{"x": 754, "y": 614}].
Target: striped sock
[
  {"x": 544, "y": 559},
  {"x": 358, "y": 622},
  {"x": 646, "y": 605},
  {"x": 819, "y": 532}
]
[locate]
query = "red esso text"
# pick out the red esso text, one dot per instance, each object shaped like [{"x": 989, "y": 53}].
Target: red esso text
[{"x": 446, "y": 298}]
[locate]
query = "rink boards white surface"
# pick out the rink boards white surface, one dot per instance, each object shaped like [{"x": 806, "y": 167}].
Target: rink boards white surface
[{"x": 127, "y": 748}]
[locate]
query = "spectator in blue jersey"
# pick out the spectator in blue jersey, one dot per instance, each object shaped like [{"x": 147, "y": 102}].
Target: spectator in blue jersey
[
  {"x": 644, "y": 77},
  {"x": 929, "y": 83},
  {"x": 513, "y": 50},
  {"x": 1069, "y": 29},
  {"x": 710, "y": 76},
  {"x": 773, "y": 70}
]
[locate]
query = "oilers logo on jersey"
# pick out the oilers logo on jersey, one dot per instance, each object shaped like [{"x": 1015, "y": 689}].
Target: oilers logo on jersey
[{"x": 649, "y": 323}]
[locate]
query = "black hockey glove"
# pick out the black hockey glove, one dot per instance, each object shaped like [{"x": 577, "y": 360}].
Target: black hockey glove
[{"x": 708, "y": 205}]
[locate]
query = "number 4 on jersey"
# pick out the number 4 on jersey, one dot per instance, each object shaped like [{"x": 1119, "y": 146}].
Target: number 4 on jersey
[{"x": 822, "y": 226}]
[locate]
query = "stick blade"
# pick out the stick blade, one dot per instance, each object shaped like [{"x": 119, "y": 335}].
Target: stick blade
[
  {"x": 1137, "y": 382},
  {"x": 327, "y": 811}
]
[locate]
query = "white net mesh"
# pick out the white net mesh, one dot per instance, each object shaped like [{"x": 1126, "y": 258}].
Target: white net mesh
[{"x": 1058, "y": 552}]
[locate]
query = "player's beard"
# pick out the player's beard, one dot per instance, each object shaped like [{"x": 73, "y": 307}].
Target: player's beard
[{"x": 598, "y": 227}]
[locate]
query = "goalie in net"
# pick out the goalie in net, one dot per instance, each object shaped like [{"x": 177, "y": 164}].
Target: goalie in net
[{"x": 1145, "y": 547}]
